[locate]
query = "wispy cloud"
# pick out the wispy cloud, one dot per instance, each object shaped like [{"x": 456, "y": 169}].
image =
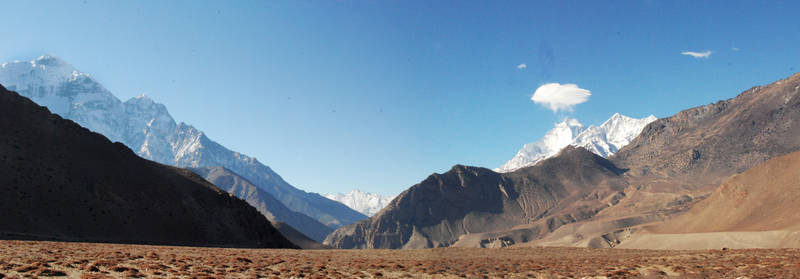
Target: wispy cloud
[
  {"x": 521, "y": 66},
  {"x": 557, "y": 97},
  {"x": 704, "y": 54},
  {"x": 735, "y": 49}
]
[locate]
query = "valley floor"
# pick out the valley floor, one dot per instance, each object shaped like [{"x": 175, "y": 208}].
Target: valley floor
[{"x": 30, "y": 259}]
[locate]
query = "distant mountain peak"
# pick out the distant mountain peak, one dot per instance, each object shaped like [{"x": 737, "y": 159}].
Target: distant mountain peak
[
  {"x": 603, "y": 140},
  {"x": 367, "y": 203},
  {"x": 41, "y": 74}
]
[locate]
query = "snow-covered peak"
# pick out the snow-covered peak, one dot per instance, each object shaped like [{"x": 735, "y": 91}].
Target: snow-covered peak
[
  {"x": 50, "y": 60},
  {"x": 613, "y": 134},
  {"x": 603, "y": 140},
  {"x": 553, "y": 141},
  {"x": 367, "y": 203},
  {"x": 562, "y": 134},
  {"x": 47, "y": 70}
]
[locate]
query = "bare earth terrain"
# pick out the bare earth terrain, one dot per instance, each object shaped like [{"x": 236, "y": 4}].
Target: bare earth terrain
[{"x": 31, "y": 259}]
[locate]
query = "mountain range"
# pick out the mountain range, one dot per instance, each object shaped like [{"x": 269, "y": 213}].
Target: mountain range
[
  {"x": 672, "y": 168},
  {"x": 63, "y": 182},
  {"x": 366, "y": 203},
  {"x": 603, "y": 140},
  {"x": 712, "y": 176},
  {"x": 148, "y": 129}
]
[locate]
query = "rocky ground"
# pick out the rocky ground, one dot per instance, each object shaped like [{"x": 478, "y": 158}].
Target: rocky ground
[{"x": 31, "y": 259}]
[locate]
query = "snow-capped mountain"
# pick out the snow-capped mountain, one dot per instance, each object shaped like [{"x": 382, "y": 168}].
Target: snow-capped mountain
[
  {"x": 364, "y": 202},
  {"x": 603, "y": 140},
  {"x": 148, "y": 129}
]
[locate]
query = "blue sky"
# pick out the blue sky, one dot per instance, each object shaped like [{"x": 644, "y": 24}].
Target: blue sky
[{"x": 378, "y": 95}]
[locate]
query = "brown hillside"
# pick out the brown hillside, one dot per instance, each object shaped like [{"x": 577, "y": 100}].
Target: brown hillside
[{"x": 764, "y": 198}]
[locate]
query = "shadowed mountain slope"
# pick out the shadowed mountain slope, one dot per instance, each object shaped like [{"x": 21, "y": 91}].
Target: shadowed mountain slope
[
  {"x": 467, "y": 200},
  {"x": 63, "y": 182},
  {"x": 273, "y": 209}
]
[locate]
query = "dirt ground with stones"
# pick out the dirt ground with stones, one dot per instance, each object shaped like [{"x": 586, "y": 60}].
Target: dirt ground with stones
[{"x": 34, "y": 259}]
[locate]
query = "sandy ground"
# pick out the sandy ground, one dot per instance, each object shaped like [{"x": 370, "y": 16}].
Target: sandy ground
[
  {"x": 714, "y": 240},
  {"x": 30, "y": 259}
]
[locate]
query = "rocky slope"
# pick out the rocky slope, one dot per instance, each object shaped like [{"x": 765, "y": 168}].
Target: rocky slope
[
  {"x": 603, "y": 140},
  {"x": 678, "y": 161},
  {"x": 367, "y": 203},
  {"x": 263, "y": 201},
  {"x": 63, "y": 182},
  {"x": 469, "y": 200},
  {"x": 711, "y": 142},
  {"x": 148, "y": 129}
]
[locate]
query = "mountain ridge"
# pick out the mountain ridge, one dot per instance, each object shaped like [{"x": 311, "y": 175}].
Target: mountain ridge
[
  {"x": 759, "y": 124},
  {"x": 147, "y": 128}
]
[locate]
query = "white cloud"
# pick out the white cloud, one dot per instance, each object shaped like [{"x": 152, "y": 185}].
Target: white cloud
[
  {"x": 735, "y": 49},
  {"x": 704, "y": 54},
  {"x": 522, "y": 66},
  {"x": 557, "y": 97}
]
